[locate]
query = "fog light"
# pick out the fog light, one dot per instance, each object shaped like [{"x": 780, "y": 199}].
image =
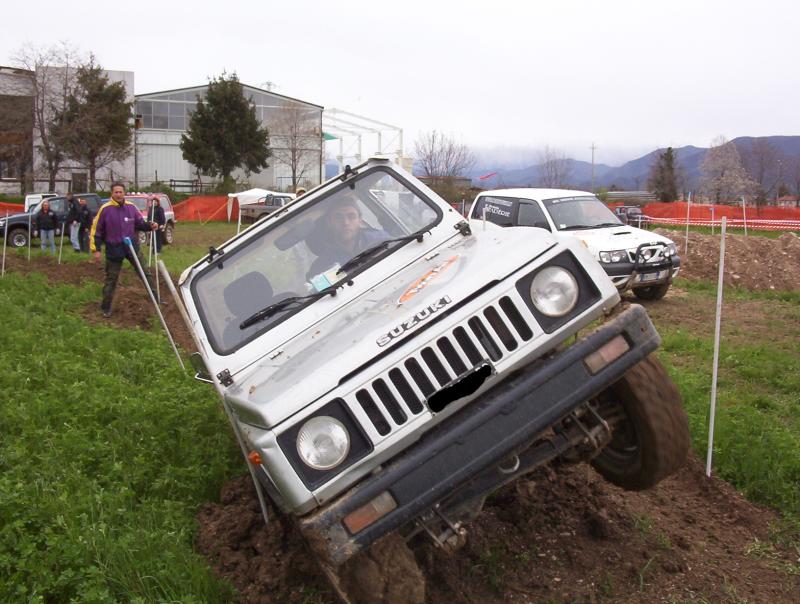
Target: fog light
[
  {"x": 608, "y": 352},
  {"x": 367, "y": 514}
]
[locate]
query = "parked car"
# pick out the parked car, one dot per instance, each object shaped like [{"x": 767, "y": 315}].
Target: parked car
[
  {"x": 266, "y": 205},
  {"x": 141, "y": 201},
  {"x": 18, "y": 223},
  {"x": 386, "y": 388},
  {"x": 33, "y": 199},
  {"x": 634, "y": 259},
  {"x": 633, "y": 215}
]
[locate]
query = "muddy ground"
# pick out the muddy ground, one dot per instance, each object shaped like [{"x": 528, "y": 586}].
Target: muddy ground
[{"x": 565, "y": 536}]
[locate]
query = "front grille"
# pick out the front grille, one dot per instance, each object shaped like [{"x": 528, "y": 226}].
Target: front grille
[
  {"x": 398, "y": 395},
  {"x": 648, "y": 254}
]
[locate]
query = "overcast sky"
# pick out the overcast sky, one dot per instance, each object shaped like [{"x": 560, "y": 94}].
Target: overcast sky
[{"x": 628, "y": 76}]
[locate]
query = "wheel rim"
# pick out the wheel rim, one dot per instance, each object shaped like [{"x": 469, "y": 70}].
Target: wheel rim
[
  {"x": 168, "y": 234},
  {"x": 19, "y": 240},
  {"x": 624, "y": 447}
]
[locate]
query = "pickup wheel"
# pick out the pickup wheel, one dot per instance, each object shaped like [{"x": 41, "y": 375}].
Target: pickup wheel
[
  {"x": 386, "y": 573},
  {"x": 18, "y": 238},
  {"x": 169, "y": 234},
  {"x": 652, "y": 440},
  {"x": 653, "y": 292}
]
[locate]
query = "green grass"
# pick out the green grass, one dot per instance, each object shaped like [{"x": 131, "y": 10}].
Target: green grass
[
  {"x": 107, "y": 450},
  {"x": 757, "y": 425}
]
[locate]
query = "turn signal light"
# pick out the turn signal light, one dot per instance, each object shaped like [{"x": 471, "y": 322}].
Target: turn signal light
[
  {"x": 607, "y": 353},
  {"x": 367, "y": 514},
  {"x": 254, "y": 457}
]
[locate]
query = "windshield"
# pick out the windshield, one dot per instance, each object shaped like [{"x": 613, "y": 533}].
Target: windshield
[
  {"x": 572, "y": 213},
  {"x": 301, "y": 253}
]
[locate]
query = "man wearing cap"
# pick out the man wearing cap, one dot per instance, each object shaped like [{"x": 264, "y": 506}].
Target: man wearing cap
[{"x": 117, "y": 220}]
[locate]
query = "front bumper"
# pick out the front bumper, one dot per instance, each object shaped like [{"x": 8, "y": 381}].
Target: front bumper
[
  {"x": 480, "y": 436},
  {"x": 625, "y": 275}
]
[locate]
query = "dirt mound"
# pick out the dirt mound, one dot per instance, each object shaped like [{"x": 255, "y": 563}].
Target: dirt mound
[
  {"x": 751, "y": 262},
  {"x": 563, "y": 536}
]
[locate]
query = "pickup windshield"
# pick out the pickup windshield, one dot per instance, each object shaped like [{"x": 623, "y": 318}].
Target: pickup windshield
[
  {"x": 300, "y": 252},
  {"x": 576, "y": 213}
]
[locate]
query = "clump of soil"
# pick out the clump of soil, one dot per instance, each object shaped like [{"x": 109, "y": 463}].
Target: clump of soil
[
  {"x": 565, "y": 536},
  {"x": 752, "y": 262}
]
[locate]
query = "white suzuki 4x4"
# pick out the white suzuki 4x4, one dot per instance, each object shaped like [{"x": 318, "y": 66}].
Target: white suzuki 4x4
[
  {"x": 633, "y": 258},
  {"x": 386, "y": 367}
]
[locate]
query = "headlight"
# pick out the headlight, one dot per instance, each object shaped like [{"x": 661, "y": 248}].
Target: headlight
[
  {"x": 613, "y": 256},
  {"x": 554, "y": 291},
  {"x": 671, "y": 250},
  {"x": 323, "y": 442}
]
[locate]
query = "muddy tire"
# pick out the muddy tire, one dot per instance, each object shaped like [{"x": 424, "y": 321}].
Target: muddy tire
[
  {"x": 653, "y": 292},
  {"x": 652, "y": 441},
  {"x": 386, "y": 573},
  {"x": 169, "y": 234}
]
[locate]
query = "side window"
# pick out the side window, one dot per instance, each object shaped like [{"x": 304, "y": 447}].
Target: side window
[
  {"x": 530, "y": 214},
  {"x": 497, "y": 210},
  {"x": 165, "y": 203}
]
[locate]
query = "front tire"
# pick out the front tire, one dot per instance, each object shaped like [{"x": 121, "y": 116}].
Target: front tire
[
  {"x": 653, "y": 440},
  {"x": 18, "y": 238},
  {"x": 652, "y": 292},
  {"x": 169, "y": 234}
]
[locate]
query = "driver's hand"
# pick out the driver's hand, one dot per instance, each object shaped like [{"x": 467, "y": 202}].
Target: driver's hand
[{"x": 97, "y": 256}]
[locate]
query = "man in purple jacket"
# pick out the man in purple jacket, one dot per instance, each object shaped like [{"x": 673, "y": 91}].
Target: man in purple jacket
[{"x": 116, "y": 220}]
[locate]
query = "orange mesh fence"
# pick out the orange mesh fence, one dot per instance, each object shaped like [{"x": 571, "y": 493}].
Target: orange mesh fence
[
  {"x": 202, "y": 208},
  {"x": 677, "y": 210},
  {"x": 11, "y": 208}
]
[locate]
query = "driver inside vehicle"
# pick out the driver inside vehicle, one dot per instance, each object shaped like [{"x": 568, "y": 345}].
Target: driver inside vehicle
[{"x": 342, "y": 235}]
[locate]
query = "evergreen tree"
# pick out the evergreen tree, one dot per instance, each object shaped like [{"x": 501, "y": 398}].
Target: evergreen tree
[
  {"x": 95, "y": 127},
  {"x": 224, "y": 132},
  {"x": 663, "y": 179}
]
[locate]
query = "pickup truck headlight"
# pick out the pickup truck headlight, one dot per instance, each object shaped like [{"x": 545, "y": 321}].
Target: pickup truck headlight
[
  {"x": 671, "y": 250},
  {"x": 323, "y": 442},
  {"x": 613, "y": 256},
  {"x": 554, "y": 291}
]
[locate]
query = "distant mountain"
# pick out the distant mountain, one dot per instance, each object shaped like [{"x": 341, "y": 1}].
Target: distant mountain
[{"x": 631, "y": 175}]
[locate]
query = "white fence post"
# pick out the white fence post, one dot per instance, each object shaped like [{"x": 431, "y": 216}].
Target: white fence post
[
  {"x": 744, "y": 215},
  {"x": 686, "y": 243},
  {"x": 716, "y": 348}
]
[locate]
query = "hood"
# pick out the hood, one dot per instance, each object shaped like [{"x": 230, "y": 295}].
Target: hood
[
  {"x": 621, "y": 237},
  {"x": 314, "y": 363}
]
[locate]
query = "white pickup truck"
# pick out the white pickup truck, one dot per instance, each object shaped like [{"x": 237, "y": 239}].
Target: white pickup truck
[{"x": 386, "y": 367}]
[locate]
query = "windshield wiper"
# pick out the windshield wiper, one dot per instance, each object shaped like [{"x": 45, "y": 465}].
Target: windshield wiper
[
  {"x": 579, "y": 227},
  {"x": 267, "y": 312},
  {"x": 372, "y": 250}
]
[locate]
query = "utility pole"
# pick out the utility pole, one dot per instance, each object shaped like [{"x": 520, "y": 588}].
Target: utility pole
[{"x": 593, "y": 148}]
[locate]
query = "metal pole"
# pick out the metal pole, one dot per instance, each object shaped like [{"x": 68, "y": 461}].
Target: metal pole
[
  {"x": 716, "y": 348},
  {"x": 162, "y": 268},
  {"x": 686, "y": 245},
  {"x": 30, "y": 235},
  {"x": 61, "y": 243},
  {"x": 744, "y": 215},
  {"x": 712, "y": 221},
  {"x": 5, "y": 240},
  {"x": 129, "y": 243}
]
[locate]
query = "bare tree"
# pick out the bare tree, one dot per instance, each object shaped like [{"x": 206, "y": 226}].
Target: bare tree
[
  {"x": 764, "y": 164},
  {"x": 296, "y": 140},
  {"x": 53, "y": 72},
  {"x": 794, "y": 177},
  {"x": 723, "y": 178},
  {"x": 441, "y": 156},
  {"x": 554, "y": 168}
]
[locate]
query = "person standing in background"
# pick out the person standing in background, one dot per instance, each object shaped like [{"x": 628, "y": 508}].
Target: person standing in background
[
  {"x": 46, "y": 225},
  {"x": 73, "y": 220}
]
